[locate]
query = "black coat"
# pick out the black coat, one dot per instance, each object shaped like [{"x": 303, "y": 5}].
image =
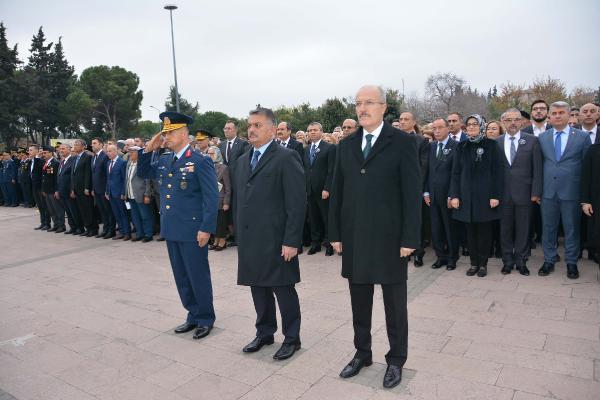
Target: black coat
[
  {"x": 49, "y": 175},
  {"x": 319, "y": 175},
  {"x": 24, "y": 174},
  {"x": 590, "y": 190},
  {"x": 522, "y": 179},
  {"x": 375, "y": 206},
  {"x": 99, "y": 168},
  {"x": 293, "y": 144},
  {"x": 269, "y": 213},
  {"x": 36, "y": 173},
  {"x": 64, "y": 178},
  {"x": 440, "y": 172},
  {"x": 475, "y": 182},
  {"x": 423, "y": 149},
  {"x": 81, "y": 177}
]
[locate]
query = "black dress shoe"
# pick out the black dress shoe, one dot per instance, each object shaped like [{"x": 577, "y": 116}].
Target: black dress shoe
[
  {"x": 354, "y": 367},
  {"x": 45, "y": 227},
  {"x": 523, "y": 270},
  {"x": 439, "y": 263},
  {"x": 572, "y": 272},
  {"x": 109, "y": 235},
  {"x": 118, "y": 237},
  {"x": 202, "y": 332},
  {"x": 183, "y": 328},
  {"x": 328, "y": 250},
  {"x": 136, "y": 239},
  {"x": 160, "y": 239},
  {"x": 506, "y": 269},
  {"x": 79, "y": 232},
  {"x": 99, "y": 234},
  {"x": 60, "y": 230},
  {"x": 313, "y": 250},
  {"x": 482, "y": 271},
  {"x": 146, "y": 239},
  {"x": 126, "y": 238},
  {"x": 70, "y": 232},
  {"x": 418, "y": 261},
  {"x": 473, "y": 270},
  {"x": 257, "y": 344},
  {"x": 450, "y": 267},
  {"x": 37, "y": 228},
  {"x": 465, "y": 252},
  {"x": 91, "y": 234},
  {"x": 51, "y": 229},
  {"x": 546, "y": 269},
  {"x": 286, "y": 351},
  {"x": 392, "y": 377}
]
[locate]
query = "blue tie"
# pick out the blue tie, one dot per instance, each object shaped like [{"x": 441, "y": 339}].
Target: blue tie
[
  {"x": 254, "y": 161},
  {"x": 558, "y": 146},
  {"x": 77, "y": 160},
  {"x": 313, "y": 152}
]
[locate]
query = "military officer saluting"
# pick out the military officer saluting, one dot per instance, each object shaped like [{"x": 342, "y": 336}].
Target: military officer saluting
[{"x": 188, "y": 215}]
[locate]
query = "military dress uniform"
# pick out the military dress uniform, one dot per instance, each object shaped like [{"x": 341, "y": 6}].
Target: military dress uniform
[{"x": 187, "y": 185}]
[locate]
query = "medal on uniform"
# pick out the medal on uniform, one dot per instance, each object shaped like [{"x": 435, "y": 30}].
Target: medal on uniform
[
  {"x": 183, "y": 185},
  {"x": 479, "y": 152}
]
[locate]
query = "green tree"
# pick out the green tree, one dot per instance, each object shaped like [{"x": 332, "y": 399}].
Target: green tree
[
  {"x": 62, "y": 80},
  {"x": 10, "y": 130},
  {"x": 147, "y": 129},
  {"x": 185, "y": 107},
  {"x": 332, "y": 113},
  {"x": 117, "y": 99},
  {"x": 212, "y": 121}
]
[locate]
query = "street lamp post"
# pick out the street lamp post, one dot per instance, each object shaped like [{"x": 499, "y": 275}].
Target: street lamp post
[{"x": 172, "y": 7}]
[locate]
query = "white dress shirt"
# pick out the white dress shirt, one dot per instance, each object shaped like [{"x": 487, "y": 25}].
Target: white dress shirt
[
  {"x": 375, "y": 134},
  {"x": 591, "y": 132},
  {"x": 537, "y": 131},
  {"x": 507, "y": 143}
]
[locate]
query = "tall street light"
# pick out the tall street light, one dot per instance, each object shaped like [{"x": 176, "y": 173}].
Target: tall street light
[{"x": 172, "y": 7}]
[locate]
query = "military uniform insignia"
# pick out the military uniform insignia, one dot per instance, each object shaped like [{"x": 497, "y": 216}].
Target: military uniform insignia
[{"x": 183, "y": 185}]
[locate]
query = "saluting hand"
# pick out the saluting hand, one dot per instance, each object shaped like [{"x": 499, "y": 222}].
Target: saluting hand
[
  {"x": 202, "y": 238},
  {"x": 288, "y": 252},
  {"x": 154, "y": 144}
]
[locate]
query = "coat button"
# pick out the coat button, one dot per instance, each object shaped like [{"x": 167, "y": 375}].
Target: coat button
[
  {"x": 168, "y": 207},
  {"x": 169, "y": 186},
  {"x": 170, "y": 175},
  {"x": 363, "y": 171},
  {"x": 168, "y": 196}
]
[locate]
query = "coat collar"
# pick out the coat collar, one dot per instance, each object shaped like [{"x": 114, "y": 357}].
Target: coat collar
[
  {"x": 385, "y": 137},
  {"x": 264, "y": 159}
]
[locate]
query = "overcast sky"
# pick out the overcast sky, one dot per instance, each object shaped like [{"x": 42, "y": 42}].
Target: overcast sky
[{"x": 234, "y": 54}]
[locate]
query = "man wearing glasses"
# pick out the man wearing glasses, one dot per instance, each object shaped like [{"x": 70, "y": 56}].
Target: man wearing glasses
[{"x": 539, "y": 118}]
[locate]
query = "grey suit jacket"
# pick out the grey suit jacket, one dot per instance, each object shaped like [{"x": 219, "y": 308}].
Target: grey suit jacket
[
  {"x": 141, "y": 187},
  {"x": 563, "y": 177}
]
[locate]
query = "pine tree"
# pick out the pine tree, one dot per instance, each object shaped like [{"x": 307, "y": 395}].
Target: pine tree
[{"x": 10, "y": 130}]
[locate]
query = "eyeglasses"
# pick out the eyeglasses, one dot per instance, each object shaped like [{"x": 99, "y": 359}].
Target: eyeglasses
[
  {"x": 367, "y": 103},
  {"x": 256, "y": 125},
  {"x": 452, "y": 120},
  {"x": 473, "y": 124},
  {"x": 511, "y": 120}
]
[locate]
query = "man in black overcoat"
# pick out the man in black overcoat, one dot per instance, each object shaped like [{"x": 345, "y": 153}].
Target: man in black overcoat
[
  {"x": 375, "y": 218},
  {"x": 269, "y": 217},
  {"x": 81, "y": 187}
]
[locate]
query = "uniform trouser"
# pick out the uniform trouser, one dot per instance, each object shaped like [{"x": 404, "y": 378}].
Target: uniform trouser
[
  {"x": 396, "y": 320},
  {"x": 266, "y": 318},
  {"x": 479, "y": 238},
  {"x": 42, "y": 207},
  {"x": 9, "y": 191},
  {"x": 444, "y": 232},
  {"x": 56, "y": 210},
  {"x": 85, "y": 206},
  {"x": 108, "y": 219},
  {"x": 553, "y": 211},
  {"x": 192, "y": 277},
  {"x": 70, "y": 207},
  {"x": 120, "y": 212},
  {"x": 27, "y": 194},
  {"x": 318, "y": 210},
  {"x": 515, "y": 232},
  {"x": 142, "y": 217}
]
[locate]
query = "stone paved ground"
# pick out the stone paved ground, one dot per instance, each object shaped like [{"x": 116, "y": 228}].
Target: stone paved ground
[{"x": 84, "y": 318}]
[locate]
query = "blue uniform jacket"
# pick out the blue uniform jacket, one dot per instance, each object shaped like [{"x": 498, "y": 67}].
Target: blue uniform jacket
[{"x": 189, "y": 196}]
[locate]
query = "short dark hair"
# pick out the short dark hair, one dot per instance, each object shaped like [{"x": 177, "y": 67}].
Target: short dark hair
[
  {"x": 395, "y": 120},
  {"x": 574, "y": 108},
  {"x": 460, "y": 116},
  {"x": 98, "y": 139},
  {"x": 441, "y": 119},
  {"x": 288, "y": 126},
  {"x": 539, "y": 101},
  {"x": 231, "y": 121},
  {"x": 265, "y": 112}
]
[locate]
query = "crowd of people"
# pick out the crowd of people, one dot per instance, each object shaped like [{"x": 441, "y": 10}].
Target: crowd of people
[{"x": 491, "y": 188}]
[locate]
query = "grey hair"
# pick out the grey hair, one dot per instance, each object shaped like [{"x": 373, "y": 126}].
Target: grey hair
[
  {"x": 314, "y": 123},
  {"x": 67, "y": 145},
  {"x": 81, "y": 142},
  {"x": 561, "y": 104},
  {"x": 265, "y": 112},
  {"x": 511, "y": 110},
  {"x": 379, "y": 89}
]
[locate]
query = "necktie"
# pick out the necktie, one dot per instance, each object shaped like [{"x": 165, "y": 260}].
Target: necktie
[
  {"x": 254, "y": 161},
  {"x": 62, "y": 163},
  {"x": 111, "y": 166},
  {"x": 439, "y": 150},
  {"x": 313, "y": 153},
  {"x": 283, "y": 144},
  {"x": 77, "y": 160},
  {"x": 45, "y": 166},
  {"x": 174, "y": 160},
  {"x": 367, "y": 148},
  {"x": 228, "y": 152},
  {"x": 513, "y": 150},
  {"x": 558, "y": 146},
  {"x": 94, "y": 160}
]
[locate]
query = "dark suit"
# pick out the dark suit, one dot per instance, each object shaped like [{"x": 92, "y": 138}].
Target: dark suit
[
  {"x": 293, "y": 144},
  {"x": 230, "y": 157},
  {"x": 81, "y": 180},
  {"x": 64, "y": 190},
  {"x": 529, "y": 128},
  {"x": 319, "y": 174},
  {"x": 50, "y": 188},
  {"x": 35, "y": 174},
  {"x": 269, "y": 215},
  {"x": 99, "y": 162},
  {"x": 423, "y": 149},
  {"x": 115, "y": 188},
  {"x": 25, "y": 182},
  {"x": 590, "y": 193},
  {"x": 443, "y": 226},
  {"x": 374, "y": 211},
  {"x": 522, "y": 181}
]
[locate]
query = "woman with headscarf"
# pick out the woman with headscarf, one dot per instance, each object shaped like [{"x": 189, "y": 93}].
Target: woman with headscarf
[
  {"x": 475, "y": 190},
  {"x": 224, "y": 185}
]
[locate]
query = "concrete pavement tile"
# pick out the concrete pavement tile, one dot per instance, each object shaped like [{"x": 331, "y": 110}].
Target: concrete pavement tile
[
  {"x": 435, "y": 326},
  {"x": 173, "y": 376},
  {"x": 208, "y": 386},
  {"x": 569, "y": 345},
  {"x": 563, "y": 328},
  {"x": 556, "y": 386},
  {"x": 550, "y": 290},
  {"x": 533, "y": 359},
  {"x": 72, "y": 337},
  {"x": 427, "y": 385},
  {"x": 588, "y": 315},
  {"x": 558, "y": 301},
  {"x": 456, "y": 346},
  {"x": 334, "y": 389},
  {"x": 511, "y": 296},
  {"x": 492, "y": 335},
  {"x": 530, "y": 396},
  {"x": 135, "y": 388},
  {"x": 456, "y": 314},
  {"x": 91, "y": 376},
  {"x": 277, "y": 387},
  {"x": 528, "y": 310},
  {"x": 43, "y": 354}
]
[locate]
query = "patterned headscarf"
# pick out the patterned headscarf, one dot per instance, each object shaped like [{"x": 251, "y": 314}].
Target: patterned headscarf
[
  {"x": 482, "y": 125},
  {"x": 218, "y": 155}
]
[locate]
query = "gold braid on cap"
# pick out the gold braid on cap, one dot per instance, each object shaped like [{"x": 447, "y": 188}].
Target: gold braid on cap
[{"x": 168, "y": 126}]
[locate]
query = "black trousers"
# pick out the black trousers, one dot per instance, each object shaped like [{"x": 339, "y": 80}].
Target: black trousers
[
  {"x": 479, "y": 238},
  {"x": 396, "y": 320},
  {"x": 85, "y": 205},
  {"x": 318, "y": 210},
  {"x": 444, "y": 232},
  {"x": 72, "y": 213},
  {"x": 106, "y": 215},
  {"x": 536, "y": 223},
  {"x": 28, "y": 199},
  {"x": 266, "y": 314},
  {"x": 56, "y": 210},
  {"x": 515, "y": 232},
  {"x": 42, "y": 207}
]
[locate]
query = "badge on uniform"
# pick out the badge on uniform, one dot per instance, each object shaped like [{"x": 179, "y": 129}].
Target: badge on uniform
[
  {"x": 189, "y": 167},
  {"x": 183, "y": 185},
  {"x": 522, "y": 141}
]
